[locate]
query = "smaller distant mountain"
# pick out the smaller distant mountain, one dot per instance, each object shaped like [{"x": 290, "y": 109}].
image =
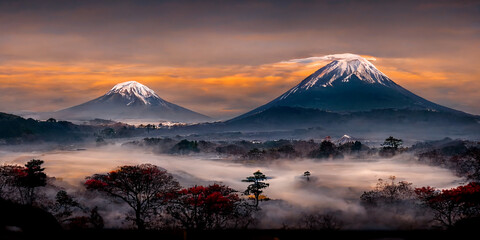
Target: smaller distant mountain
[
  {"x": 130, "y": 100},
  {"x": 344, "y": 140}
]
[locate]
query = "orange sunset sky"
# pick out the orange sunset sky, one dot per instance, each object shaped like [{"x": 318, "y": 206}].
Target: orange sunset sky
[{"x": 224, "y": 58}]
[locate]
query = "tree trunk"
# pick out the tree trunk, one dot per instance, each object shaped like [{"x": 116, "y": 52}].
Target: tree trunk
[
  {"x": 29, "y": 196},
  {"x": 139, "y": 221}
]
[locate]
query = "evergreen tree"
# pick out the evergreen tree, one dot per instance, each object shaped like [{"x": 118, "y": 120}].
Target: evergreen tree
[
  {"x": 307, "y": 175},
  {"x": 257, "y": 185},
  {"x": 392, "y": 143},
  {"x": 31, "y": 177}
]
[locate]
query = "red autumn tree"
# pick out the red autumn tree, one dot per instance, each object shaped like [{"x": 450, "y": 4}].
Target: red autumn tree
[
  {"x": 452, "y": 205},
  {"x": 211, "y": 207},
  {"x": 31, "y": 178},
  {"x": 8, "y": 176},
  {"x": 143, "y": 187},
  {"x": 19, "y": 183}
]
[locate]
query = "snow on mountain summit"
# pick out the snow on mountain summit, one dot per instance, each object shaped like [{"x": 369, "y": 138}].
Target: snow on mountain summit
[
  {"x": 132, "y": 90},
  {"x": 131, "y": 100},
  {"x": 343, "y": 67},
  {"x": 344, "y": 139},
  {"x": 341, "y": 70},
  {"x": 346, "y": 65},
  {"x": 348, "y": 83}
]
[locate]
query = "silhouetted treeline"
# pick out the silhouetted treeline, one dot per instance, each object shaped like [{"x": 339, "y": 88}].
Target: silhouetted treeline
[
  {"x": 15, "y": 129},
  {"x": 459, "y": 155},
  {"x": 256, "y": 150}
]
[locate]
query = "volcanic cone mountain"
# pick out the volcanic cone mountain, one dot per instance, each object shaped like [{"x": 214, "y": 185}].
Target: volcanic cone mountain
[
  {"x": 350, "y": 83},
  {"x": 350, "y": 95},
  {"x": 130, "y": 100}
]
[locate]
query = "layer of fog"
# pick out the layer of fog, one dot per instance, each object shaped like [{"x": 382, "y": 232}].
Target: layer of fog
[{"x": 335, "y": 185}]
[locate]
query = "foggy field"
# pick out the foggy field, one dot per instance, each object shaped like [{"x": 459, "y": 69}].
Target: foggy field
[{"x": 334, "y": 186}]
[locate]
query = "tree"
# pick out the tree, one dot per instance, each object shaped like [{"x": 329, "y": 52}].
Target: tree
[
  {"x": 185, "y": 147},
  {"x": 150, "y": 127},
  {"x": 287, "y": 150},
  {"x": 96, "y": 219},
  {"x": 30, "y": 178},
  {"x": 388, "y": 192},
  {"x": 390, "y": 146},
  {"x": 468, "y": 164},
  {"x": 23, "y": 180},
  {"x": 71, "y": 214},
  {"x": 231, "y": 149},
  {"x": 8, "y": 177},
  {"x": 392, "y": 143},
  {"x": 357, "y": 146},
  {"x": 327, "y": 149},
  {"x": 255, "y": 154},
  {"x": 143, "y": 187},
  {"x": 51, "y": 120},
  {"x": 451, "y": 205},
  {"x": 257, "y": 185},
  {"x": 307, "y": 175},
  {"x": 212, "y": 207},
  {"x": 305, "y": 148},
  {"x": 107, "y": 132},
  {"x": 64, "y": 205}
]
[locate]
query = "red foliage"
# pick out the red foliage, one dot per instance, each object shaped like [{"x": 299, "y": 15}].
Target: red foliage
[
  {"x": 451, "y": 205},
  {"x": 202, "y": 207},
  {"x": 19, "y": 171},
  {"x": 214, "y": 197},
  {"x": 95, "y": 184},
  {"x": 425, "y": 193},
  {"x": 143, "y": 187},
  {"x": 461, "y": 194},
  {"x": 468, "y": 194}
]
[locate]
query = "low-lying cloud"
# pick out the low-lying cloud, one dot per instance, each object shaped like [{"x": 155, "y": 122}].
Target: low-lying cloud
[{"x": 334, "y": 186}]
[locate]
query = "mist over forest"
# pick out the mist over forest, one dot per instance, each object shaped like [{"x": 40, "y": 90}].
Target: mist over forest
[
  {"x": 257, "y": 173},
  {"x": 341, "y": 173},
  {"x": 259, "y": 120}
]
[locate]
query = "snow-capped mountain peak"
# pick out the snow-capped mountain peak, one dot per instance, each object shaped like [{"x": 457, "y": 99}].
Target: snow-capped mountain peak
[
  {"x": 132, "y": 90},
  {"x": 344, "y": 139},
  {"x": 343, "y": 67},
  {"x": 341, "y": 70},
  {"x": 349, "y": 83},
  {"x": 131, "y": 100}
]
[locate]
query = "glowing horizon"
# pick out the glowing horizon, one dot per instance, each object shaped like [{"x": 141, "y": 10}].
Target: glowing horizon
[{"x": 233, "y": 57}]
